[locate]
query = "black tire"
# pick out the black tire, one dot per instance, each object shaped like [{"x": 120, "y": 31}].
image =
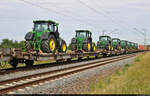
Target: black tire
[
  {"x": 63, "y": 43},
  {"x": 73, "y": 47},
  {"x": 108, "y": 47},
  {"x": 93, "y": 45},
  {"x": 118, "y": 47},
  {"x": 28, "y": 45},
  {"x": 85, "y": 46},
  {"x": 46, "y": 45}
]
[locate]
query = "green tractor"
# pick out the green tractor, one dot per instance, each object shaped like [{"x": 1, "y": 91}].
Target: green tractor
[
  {"x": 133, "y": 45},
  {"x": 124, "y": 47},
  {"x": 83, "y": 41},
  {"x": 45, "y": 38},
  {"x": 104, "y": 43},
  {"x": 116, "y": 43},
  {"x": 128, "y": 45},
  {"x": 136, "y": 46},
  {"x": 123, "y": 44}
]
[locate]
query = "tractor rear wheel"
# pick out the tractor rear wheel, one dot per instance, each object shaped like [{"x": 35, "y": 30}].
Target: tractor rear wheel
[
  {"x": 87, "y": 47},
  {"x": 49, "y": 46},
  {"x": 28, "y": 45},
  {"x": 108, "y": 47},
  {"x": 118, "y": 47},
  {"x": 63, "y": 46},
  {"x": 93, "y": 47}
]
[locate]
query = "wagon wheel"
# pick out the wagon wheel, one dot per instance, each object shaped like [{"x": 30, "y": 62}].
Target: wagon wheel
[{"x": 3, "y": 64}]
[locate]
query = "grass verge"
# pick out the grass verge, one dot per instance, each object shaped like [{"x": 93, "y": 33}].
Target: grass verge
[{"x": 132, "y": 79}]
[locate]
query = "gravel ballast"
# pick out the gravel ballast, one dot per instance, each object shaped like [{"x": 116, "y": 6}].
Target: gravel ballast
[
  {"x": 76, "y": 83},
  {"x": 35, "y": 71}
]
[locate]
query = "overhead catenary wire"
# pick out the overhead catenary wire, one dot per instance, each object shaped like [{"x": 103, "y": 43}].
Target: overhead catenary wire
[
  {"x": 59, "y": 13},
  {"x": 107, "y": 12},
  {"x": 100, "y": 13}
]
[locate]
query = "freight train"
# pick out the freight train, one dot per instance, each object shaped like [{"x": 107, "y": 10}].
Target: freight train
[{"x": 44, "y": 43}]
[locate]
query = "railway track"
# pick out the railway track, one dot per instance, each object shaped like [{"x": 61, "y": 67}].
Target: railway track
[
  {"x": 44, "y": 65},
  {"x": 15, "y": 84}
]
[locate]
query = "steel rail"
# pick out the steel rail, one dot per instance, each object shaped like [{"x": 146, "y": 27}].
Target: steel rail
[{"x": 53, "y": 76}]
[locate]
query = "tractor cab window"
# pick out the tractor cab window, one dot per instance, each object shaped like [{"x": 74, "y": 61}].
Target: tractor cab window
[
  {"x": 52, "y": 27},
  {"x": 90, "y": 35},
  {"x": 81, "y": 34},
  {"x": 40, "y": 27},
  {"x": 115, "y": 40},
  {"x": 103, "y": 38},
  {"x": 122, "y": 42}
]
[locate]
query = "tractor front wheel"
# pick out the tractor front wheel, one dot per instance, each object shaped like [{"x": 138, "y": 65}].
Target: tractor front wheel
[
  {"x": 49, "y": 46},
  {"x": 87, "y": 47},
  {"x": 63, "y": 46},
  {"x": 28, "y": 45}
]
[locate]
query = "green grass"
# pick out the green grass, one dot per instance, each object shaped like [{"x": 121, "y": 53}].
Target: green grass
[{"x": 132, "y": 79}]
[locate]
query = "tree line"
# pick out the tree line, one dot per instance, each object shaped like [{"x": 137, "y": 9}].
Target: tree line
[{"x": 6, "y": 43}]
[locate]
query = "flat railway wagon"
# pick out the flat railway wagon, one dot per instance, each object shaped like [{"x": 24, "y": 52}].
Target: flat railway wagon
[
  {"x": 16, "y": 55},
  {"x": 13, "y": 56}
]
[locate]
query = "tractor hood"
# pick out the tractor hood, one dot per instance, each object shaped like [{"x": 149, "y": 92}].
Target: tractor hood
[
  {"x": 79, "y": 40},
  {"x": 103, "y": 42}
]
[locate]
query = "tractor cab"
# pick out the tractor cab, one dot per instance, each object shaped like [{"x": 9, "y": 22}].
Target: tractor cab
[
  {"x": 41, "y": 25},
  {"x": 83, "y": 34},
  {"x": 104, "y": 38},
  {"x": 130, "y": 45},
  {"x": 104, "y": 42},
  {"x": 45, "y": 37},
  {"x": 116, "y": 43},
  {"x": 83, "y": 41},
  {"x": 123, "y": 44},
  {"x": 136, "y": 46}
]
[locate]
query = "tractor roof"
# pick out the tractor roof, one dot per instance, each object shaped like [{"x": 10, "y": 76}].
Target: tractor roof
[
  {"x": 124, "y": 40},
  {"x": 45, "y": 21},
  {"x": 83, "y": 31},
  {"x": 105, "y": 36},
  {"x": 115, "y": 39}
]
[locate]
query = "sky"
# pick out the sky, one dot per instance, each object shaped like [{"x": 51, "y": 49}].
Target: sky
[{"x": 124, "y": 19}]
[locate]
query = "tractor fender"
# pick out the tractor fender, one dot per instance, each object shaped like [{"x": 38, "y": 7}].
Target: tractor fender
[
  {"x": 45, "y": 35},
  {"x": 60, "y": 43},
  {"x": 29, "y": 36},
  {"x": 73, "y": 40}
]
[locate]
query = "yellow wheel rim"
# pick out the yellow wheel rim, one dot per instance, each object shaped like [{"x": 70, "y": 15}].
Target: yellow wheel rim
[
  {"x": 52, "y": 45},
  {"x": 64, "y": 47},
  {"x": 94, "y": 48},
  {"x": 109, "y": 47},
  {"x": 89, "y": 47}
]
